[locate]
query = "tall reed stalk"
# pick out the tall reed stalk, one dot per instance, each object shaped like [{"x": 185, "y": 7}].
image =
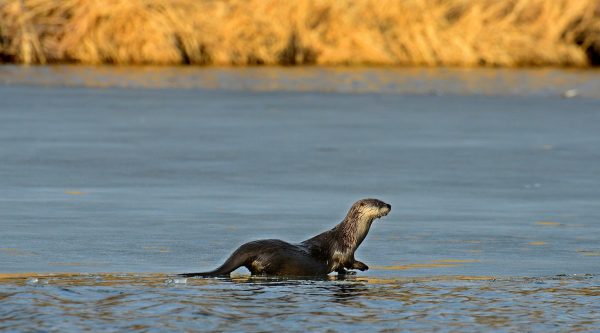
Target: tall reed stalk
[{"x": 324, "y": 32}]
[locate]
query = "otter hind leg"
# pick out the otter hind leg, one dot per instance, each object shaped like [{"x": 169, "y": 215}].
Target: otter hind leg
[{"x": 290, "y": 261}]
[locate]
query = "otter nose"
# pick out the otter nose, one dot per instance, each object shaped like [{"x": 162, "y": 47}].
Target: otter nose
[{"x": 389, "y": 207}]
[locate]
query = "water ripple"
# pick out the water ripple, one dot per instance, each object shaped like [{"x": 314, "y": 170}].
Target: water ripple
[{"x": 143, "y": 303}]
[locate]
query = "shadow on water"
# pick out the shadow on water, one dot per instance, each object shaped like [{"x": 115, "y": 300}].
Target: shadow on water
[{"x": 337, "y": 288}]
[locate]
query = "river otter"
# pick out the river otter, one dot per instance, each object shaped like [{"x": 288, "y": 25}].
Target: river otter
[{"x": 330, "y": 251}]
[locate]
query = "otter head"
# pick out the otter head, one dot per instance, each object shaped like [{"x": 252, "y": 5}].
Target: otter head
[
  {"x": 364, "y": 211},
  {"x": 370, "y": 208},
  {"x": 356, "y": 225}
]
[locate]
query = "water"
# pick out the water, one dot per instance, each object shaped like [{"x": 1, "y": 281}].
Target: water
[
  {"x": 112, "y": 180},
  {"x": 149, "y": 304}
]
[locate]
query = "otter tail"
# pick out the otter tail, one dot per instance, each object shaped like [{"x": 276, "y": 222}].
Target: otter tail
[{"x": 236, "y": 260}]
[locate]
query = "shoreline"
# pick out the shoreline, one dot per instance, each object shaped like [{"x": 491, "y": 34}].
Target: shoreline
[{"x": 410, "y": 81}]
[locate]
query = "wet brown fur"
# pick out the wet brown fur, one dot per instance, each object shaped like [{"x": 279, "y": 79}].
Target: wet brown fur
[{"x": 330, "y": 251}]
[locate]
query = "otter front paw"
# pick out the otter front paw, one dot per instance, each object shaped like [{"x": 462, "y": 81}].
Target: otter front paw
[
  {"x": 345, "y": 272},
  {"x": 360, "y": 266}
]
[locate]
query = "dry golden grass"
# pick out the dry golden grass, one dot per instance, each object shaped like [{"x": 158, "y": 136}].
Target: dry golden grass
[{"x": 324, "y": 32}]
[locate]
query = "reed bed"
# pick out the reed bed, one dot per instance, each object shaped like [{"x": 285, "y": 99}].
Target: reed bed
[{"x": 323, "y": 32}]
